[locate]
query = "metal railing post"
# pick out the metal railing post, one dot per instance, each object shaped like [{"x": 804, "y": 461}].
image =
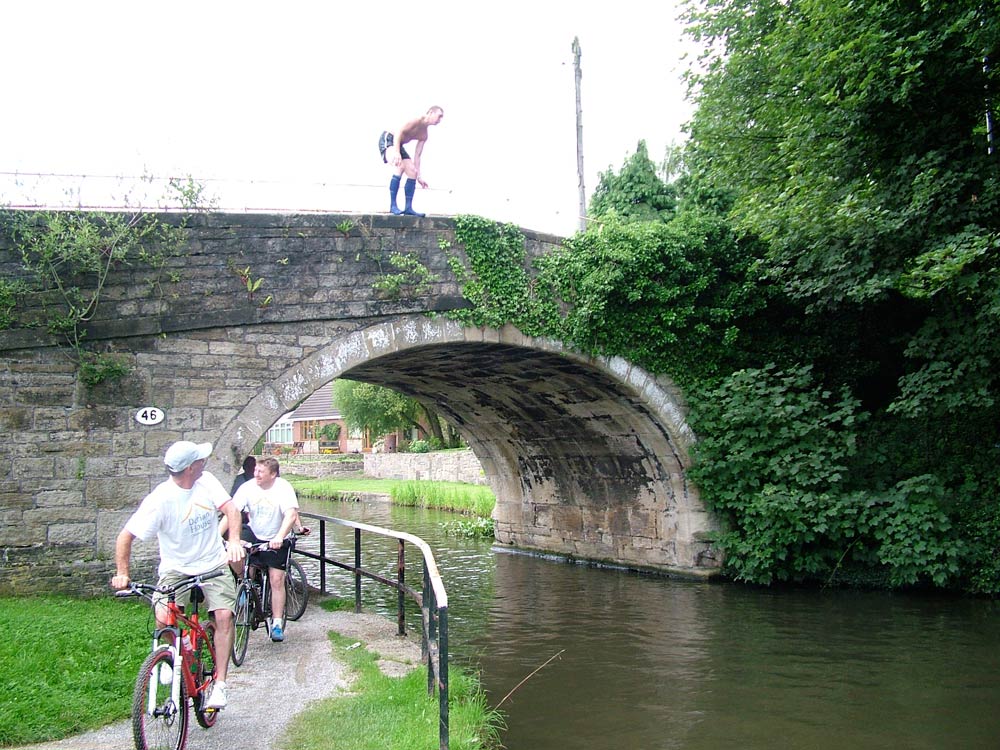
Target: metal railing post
[
  {"x": 322, "y": 555},
  {"x": 443, "y": 676},
  {"x": 400, "y": 593},
  {"x": 357, "y": 571}
]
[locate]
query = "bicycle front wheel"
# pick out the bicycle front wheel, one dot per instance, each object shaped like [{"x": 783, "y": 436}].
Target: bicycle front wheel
[
  {"x": 246, "y": 599},
  {"x": 296, "y": 591},
  {"x": 158, "y": 723}
]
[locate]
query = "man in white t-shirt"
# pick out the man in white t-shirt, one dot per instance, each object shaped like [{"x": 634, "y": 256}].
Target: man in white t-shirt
[
  {"x": 182, "y": 513},
  {"x": 273, "y": 510}
]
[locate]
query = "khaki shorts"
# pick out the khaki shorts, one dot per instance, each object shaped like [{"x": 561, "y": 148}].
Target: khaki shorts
[{"x": 220, "y": 592}]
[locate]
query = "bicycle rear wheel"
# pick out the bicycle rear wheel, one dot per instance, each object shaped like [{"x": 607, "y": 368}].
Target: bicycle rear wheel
[
  {"x": 157, "y": 722},
  {"x": 246, "y": 611},
  {"x": 204, "y": 677},
  {"x": 296, "y": 591}
]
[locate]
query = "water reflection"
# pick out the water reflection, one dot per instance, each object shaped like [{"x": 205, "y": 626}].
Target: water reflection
[{"x": 649, "y": 662}]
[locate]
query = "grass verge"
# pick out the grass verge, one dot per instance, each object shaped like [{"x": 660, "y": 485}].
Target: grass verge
[
  {"x": 67, "y": 665},
  {"x": 394, "y": 712}
]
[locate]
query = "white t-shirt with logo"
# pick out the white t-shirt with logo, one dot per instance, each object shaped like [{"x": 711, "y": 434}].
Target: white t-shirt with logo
[
  {"x": 267, "y": 508},
  {"x": 186, "y": 523}
]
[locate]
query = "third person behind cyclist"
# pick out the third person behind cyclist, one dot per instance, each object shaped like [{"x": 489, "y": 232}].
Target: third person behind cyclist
[{"x": 273, "y": 510}]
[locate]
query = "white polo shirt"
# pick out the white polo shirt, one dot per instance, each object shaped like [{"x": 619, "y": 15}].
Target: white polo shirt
[{"x": 267, "y": 508}]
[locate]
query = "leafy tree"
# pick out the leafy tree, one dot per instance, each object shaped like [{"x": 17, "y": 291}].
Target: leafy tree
[
  {"x": 636, "y": 193},
  {"x": 851, "y": 140},
  {"x": 854, "y": 134},
  {"x": 380, "y": 411}
]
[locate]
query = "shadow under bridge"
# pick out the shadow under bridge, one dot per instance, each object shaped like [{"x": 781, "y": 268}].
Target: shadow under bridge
[{"x": 587, "y": 456}]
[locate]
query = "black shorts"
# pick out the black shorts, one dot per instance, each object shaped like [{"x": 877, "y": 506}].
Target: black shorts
[
  {"x": 272, "y": 558},
  {"x": 385, "y": 142}
]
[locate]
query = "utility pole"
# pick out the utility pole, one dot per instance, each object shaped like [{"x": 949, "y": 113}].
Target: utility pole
[{"x": 579, "y": 135}]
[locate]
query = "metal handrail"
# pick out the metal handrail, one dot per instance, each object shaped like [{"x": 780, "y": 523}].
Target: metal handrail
[{"x": 432, "y": 599}]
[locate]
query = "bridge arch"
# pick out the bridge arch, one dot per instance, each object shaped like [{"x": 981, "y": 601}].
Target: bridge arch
[{"x": 587, "y": 455}]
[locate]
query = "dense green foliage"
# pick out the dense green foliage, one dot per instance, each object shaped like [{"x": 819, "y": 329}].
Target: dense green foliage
[
  {"x": 635, "y": 193},
  {"x": 825, "y": 291},
  {"x": 850, "y": 140},
  {"x": 776, "y": 458}
]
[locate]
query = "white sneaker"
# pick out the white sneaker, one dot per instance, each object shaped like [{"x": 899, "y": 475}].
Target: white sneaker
[
  {"x": 166, "y": 673},
  {"x": 217, "y": 699}
]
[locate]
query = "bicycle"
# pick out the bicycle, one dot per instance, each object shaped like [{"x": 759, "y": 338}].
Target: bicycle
[
  {"x": 160, "y": 709},
  {"x": 253, "y": 597}
]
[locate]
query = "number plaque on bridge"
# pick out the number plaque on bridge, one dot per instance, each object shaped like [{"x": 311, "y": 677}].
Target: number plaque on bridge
[{"x": 149, "y": 415}]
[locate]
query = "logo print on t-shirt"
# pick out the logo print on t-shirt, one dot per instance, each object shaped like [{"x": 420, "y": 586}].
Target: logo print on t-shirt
[{"x": 199, "y": 517}]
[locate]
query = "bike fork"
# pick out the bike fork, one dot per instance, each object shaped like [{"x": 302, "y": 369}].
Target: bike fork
[{"x": 175, "y": 686}]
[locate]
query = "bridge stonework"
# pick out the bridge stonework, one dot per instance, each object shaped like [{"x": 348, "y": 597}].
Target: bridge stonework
[{"x": 587, "y": 456}]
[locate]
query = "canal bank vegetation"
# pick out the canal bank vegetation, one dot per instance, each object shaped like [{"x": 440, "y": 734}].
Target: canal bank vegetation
[
  {"x": 475, "y": 501},
  {"x": 382, "y": 712},
  {"x": 818, "y": 271},
  {"x": 55, "y": 683}
]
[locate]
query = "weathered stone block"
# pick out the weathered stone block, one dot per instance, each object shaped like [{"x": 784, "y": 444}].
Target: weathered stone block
[
  {"x": 72, "y": 534},
  {"x": 58, "y": 498},
  {"x": 118, "y": 492}
]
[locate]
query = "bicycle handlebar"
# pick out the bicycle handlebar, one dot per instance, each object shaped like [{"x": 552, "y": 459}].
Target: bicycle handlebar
[{"x": 144, "y": 589}]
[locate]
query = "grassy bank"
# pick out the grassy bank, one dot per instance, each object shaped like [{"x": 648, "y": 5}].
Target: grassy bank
[
  {"x": 457, "y": 497},
  {"x": 69, "y": 665},
  {"x": 394, "y": 712}
]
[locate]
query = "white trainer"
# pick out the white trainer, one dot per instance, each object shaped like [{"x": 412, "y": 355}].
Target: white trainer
[{"x": 217, "y": 699}]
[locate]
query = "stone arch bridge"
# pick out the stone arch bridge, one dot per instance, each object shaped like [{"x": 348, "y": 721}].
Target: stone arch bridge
[{"x": 587, "y": 456}]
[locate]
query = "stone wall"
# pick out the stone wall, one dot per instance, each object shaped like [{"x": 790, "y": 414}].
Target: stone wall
[
  {"x": 322, "y": 467},
  {"x": 438, "y": 466}
]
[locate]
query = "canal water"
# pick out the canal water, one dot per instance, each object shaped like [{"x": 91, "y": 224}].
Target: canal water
[{"x": 633, "y": 661}]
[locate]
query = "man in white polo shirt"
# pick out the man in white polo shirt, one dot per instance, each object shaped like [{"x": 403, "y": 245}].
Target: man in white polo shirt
[
  {"x": 182, "y": 512},
  {"x": 273, "y": 510}
]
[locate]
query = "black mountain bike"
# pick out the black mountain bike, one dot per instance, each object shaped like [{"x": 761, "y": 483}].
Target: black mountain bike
[{"x": 253, "y": 597}]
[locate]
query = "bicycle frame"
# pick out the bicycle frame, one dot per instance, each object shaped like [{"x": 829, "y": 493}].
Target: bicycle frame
[
  {"x": 186, "y": 666},
  {"x": 186, "y": 657},
  {"x": 249, "y": 570}
]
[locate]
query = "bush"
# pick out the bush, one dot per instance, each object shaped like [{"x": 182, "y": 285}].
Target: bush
[
  {"x": 420, "y": 446},
  {"x": 774, "y": 464}
]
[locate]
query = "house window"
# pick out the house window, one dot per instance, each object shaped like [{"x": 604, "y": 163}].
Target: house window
[{"x": 280, "y": 433}]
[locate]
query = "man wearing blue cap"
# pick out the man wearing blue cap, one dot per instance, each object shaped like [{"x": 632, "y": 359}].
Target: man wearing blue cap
[{"x": 182, "y": 513}]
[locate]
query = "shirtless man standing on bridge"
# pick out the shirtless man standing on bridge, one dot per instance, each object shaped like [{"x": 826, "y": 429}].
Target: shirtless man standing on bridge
[{"x": 390, "y": 145}]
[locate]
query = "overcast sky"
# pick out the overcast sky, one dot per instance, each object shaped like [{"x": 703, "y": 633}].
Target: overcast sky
[{"x": 279, "y": 105}]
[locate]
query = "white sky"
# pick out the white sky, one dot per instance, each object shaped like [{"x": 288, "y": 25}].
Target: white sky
[{"x": 279, "y": 105}]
